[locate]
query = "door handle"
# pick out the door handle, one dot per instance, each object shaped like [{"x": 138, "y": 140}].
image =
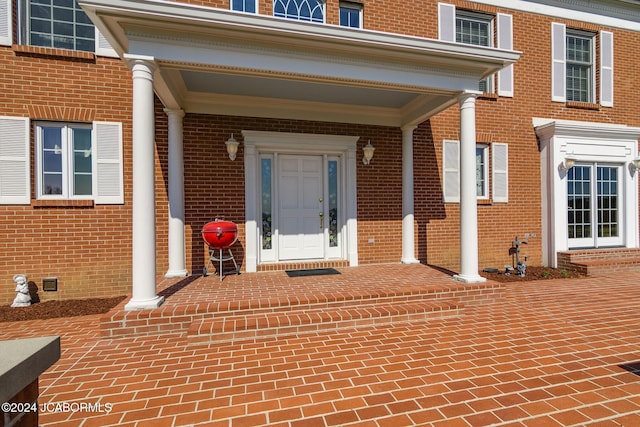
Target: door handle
[{"x": 321, "y": 215}]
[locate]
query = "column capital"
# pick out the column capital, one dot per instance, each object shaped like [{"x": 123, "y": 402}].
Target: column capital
[
  {"x": 141, "y": 63},
  {"x": 468, "y": 97},
  {"x": 174, "y": 112},
  {"x": 408, "y": 128}
]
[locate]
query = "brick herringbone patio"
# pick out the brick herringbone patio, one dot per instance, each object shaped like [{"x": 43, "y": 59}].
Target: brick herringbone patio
[{"x": 548, "y": 354}]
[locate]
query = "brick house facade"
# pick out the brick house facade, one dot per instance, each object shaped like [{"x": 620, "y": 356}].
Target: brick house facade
[{"x": 166, "y": 83}]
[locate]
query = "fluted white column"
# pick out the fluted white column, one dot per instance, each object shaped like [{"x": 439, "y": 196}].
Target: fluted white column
[
  {"x": 144, "y": 294},
  {"x": 176, "y": 195},
  {"x": 408, "y": 227},
  {"x": 468, "y": 192}
]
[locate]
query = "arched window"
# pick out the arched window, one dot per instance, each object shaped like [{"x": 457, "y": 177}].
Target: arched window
[{"x": 302, "y": 10}]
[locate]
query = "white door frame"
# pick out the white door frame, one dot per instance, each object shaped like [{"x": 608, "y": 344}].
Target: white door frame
[{"x": 258, "y": 142}]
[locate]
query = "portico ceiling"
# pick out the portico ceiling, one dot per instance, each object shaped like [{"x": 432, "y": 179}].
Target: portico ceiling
[{"x": 223, "y": 62}]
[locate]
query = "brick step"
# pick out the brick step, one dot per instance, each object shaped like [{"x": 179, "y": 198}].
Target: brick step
[
  {"x": 607, "y": 266},
  {"x": 295, "y": 322}
]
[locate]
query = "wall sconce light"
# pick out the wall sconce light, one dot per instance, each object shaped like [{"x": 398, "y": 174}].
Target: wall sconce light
[
  {"x": 569, "y": 162},
  {"x": 635, "y": 164},
  {"x": 368, "y": 153},
  {"x": 232, "y": 147}
]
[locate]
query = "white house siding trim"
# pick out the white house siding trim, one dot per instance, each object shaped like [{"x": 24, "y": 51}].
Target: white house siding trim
[
  {"x": 585, "y": 142},
  {"x": 256, "y": 142},
  {"x": 624, "y": 16}
]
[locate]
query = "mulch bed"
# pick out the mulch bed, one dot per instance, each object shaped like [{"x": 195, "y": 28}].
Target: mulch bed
[
  {"x": 532, "y": 273},
  {"x": 53, "y": 309}
]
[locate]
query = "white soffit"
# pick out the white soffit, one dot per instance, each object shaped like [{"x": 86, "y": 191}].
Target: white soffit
[{"x": 224, "y": 62}]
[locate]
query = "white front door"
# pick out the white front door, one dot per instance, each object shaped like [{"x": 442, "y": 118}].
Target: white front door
[{"x": 300, "y": 207}]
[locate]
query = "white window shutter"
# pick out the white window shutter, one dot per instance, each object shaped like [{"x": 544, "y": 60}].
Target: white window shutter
[
  {"x": 606, "y": 68},
  {"x": 451, "y": 171},
  {"x": 558, "y": 62},
  {"x": 6, "y": 22},
  {"x": 446, "y": 22},
  {"x": 500, "y": 163},
  {"x": 103, "y": 48},
  {"x": 108, "y": 177},
  {"x": 15, "y": 180},
  {"x": 505, "y": 41}
]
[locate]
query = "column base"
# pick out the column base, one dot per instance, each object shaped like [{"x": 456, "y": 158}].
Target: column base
[
  {"x": 145, "y": 304},
  {"x": 410, "y": 261},
  {"x": 469, "y": 278},
  {"x": 176, "y": 273}
]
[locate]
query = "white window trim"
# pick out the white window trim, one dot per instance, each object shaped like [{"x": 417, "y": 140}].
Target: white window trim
[
  {"x": 324, "y": 12},
  {"x": 67, "y": 160},
  {"x": 485, "y": 167},
  {"x": 355, "y": 6},
  {"x": 499, "y": 172},
  {"x": 592, "y": 83},
  {"x": 255, "y": 5},
  {"x": 501, "y": 28}
]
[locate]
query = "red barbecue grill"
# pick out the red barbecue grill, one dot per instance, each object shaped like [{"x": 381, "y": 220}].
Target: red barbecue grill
[{"x": 220, "y": 235}]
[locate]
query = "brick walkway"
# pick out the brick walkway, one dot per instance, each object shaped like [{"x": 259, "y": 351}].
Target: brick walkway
[{"x": 547, "y": 354}]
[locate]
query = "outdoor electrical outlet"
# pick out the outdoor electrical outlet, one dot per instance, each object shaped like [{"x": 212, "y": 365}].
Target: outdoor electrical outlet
[{"x": 371, "y": 241}]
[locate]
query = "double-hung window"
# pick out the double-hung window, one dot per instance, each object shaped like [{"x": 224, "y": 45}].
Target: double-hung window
[
  {"x": 248, "y": 6},
  {"x": 56, "y": 24},
  {"x": 480, "y": 29},
  {"x": 573, "y": 66},
  {"x": 491, "y": 171},
  {"x": 580, "y": 77},
  {"x": 476, "y": 29},
  {"x": 64, "y": 160},
  {"x": 301, "y": 10},
  {"x": 350, "y": 15}
]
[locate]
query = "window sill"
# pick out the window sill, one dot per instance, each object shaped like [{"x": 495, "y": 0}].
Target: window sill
[
  {"x": 52, "y": 53},
  {"x": 489, "y": 96},
  {"x": 582, "y": 105},
  {"x": 484, "y": 202},
  {"x": 54, "y": 203}
]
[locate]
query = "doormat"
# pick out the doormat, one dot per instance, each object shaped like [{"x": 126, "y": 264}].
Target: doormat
[{"x": 312, "y": 272}]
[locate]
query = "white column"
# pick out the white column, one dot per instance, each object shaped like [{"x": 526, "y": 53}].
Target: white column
[
  {"x": 144, "y": 294},
  {"x": 408, "y": 228},
  {"x": 468, "y": 195},
  {"x": 176, "y": 195}
]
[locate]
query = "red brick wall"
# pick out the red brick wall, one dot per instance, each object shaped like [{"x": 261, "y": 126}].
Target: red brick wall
[{"x": 89, "y": 247}]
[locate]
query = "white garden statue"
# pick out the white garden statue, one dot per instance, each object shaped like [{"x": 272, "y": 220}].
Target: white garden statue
[{"x": 23, "y": 298}]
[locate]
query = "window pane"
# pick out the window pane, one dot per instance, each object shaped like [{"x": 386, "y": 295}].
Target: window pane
[
  {"x": 579, "y": 67},
  {"x": 350, "y": 16},
  {"x": 82, "y": 185},
  {"x": 52, "y": 183},
  {"x": 303, "y": 10},
  {"x": 82, "y": 162},
  {"x": 480, "y": 172},
  {"x": 60, "y": 24},
  {"x": 333, "y": 203},
  {"x": 265, "y": 165}
]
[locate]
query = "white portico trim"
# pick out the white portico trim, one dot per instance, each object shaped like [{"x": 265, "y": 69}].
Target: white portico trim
[
  {"x": 408, "y": 227},
  {"x": 257, "y": 142},
  {"x": 144, "y": 294},
  {"x": 468, "y": 197},
  {"x": 176, "y": 194}
]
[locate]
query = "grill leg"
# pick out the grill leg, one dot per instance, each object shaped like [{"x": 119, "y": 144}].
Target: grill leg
[{"x": 221, "y": 265}]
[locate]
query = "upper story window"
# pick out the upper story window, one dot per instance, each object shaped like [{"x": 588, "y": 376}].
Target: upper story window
[
  {"x": 574, "y": 58},
  {"x": 580, "y": 78},
  {"x": 248, "y": 6},
  {"x": 480, "y": 29},
  {"x": 350, "y": 15},
  {"x": 57, "y": 24},
  {"x": 476, "y": 29},
  {"x": 301, "y": 10}
]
